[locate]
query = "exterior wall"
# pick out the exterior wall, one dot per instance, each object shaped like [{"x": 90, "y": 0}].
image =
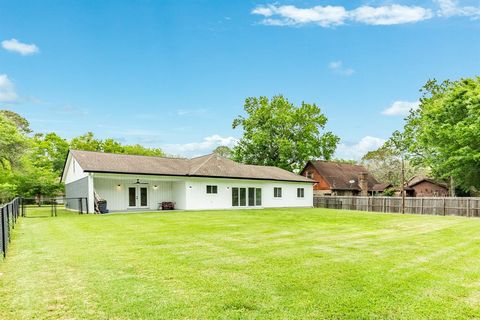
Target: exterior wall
[
  {"x": 321, "y": 183},
  {"x": 179, "y": 194},
  {"x": 190, "y": 193},
  {"x": 73, "y": 171},
  {"x": 77, "y": 189},
  {"x": 428, "y": 189},
  {"x": 114, "y": 189},
  {"x": 198, "y": 199}
]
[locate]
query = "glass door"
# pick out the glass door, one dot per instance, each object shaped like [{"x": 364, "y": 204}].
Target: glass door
[
  {"x": 137, "y": 197},
  {"x": 242, "y": 197}
]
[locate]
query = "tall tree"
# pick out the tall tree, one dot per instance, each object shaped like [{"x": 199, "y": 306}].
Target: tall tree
[
  {"x": 13, "y": 141},
  {"x": 386, "y": 166},
  {"x": 444, "y": 132},
  {"x": 88, "y": 142},
  {"x": 20, "y": 122},
  {"x": 49, "y": 151},
  {"x": 277, "y": 133}
]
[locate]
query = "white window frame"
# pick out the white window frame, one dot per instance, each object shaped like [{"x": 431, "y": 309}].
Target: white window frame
[
  {"x": 275, "y": 192},
  {"x": 212, "y": 188},
  {"x": 300, "y": 193}
]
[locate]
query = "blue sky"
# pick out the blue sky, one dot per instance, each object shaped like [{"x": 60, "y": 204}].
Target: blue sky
[{"x": 174, "y": 74}]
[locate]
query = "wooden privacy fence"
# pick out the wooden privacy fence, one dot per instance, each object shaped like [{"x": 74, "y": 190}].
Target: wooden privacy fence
[
  {"x": 9, "y": 214},
  {"x": 467, "y": 207}
]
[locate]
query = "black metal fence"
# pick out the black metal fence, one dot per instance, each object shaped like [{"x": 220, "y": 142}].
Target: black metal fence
[
  {"x": 79, "y": 205},
  {"x": 9, "y": 214}
]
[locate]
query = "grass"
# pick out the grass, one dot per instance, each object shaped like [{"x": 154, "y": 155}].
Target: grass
[{"x": 244, "y": 264}]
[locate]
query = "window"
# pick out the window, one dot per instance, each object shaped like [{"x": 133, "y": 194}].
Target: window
[
  {"x": 258, "y": 197},
  {"x": 212, "y": 189},
  {"x": 234, "y": 197},
  {"x": 309, "y": 175},
  {"x": 251, "y": 197},
  {"x": 277, "y": 192},
  {"x": 243, "y": 197},
  {"x": 300, "y": 192}
]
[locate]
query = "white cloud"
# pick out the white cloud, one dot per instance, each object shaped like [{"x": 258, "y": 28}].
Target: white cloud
[
  {"x": 7, "y": 89},
  {"x": 401, "y": 108},
  {"x": 22, "y": 48},
  {"x": 449, "y": 8},
  {"x": 390, "y": 15},
  {"x": 203, "y": 147},
  {"x": 337, "y": 67},
  {"x": 355, "y": 151},
  {"x": 328, "y": 16}
]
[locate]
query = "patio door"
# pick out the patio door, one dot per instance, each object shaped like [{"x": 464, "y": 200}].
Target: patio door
[{"x": 137, "y": 197}]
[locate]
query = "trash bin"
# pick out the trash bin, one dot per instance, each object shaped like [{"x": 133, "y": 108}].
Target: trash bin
[{"x": 102, "y": 206}]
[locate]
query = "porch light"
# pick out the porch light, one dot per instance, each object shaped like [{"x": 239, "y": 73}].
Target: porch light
[
  {"x": 119, "y": 186},
  {"x": 155, "y": 187}
]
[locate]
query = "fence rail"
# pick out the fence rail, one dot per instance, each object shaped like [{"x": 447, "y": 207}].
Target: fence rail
[
  {"x": 467, "y": 207},
  {"x": 9, "y": 214}
]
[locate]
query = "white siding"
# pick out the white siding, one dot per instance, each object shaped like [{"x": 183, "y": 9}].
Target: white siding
[
  {"x": 114, "y": 189},
  {"x": 73, "y": 171},
  {"x": 190, "y": 193},
  {"x": 73, "y": 191},
  {"x": 198, "y": 199}
]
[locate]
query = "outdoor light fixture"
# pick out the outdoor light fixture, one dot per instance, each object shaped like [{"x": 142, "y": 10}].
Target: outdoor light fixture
[
  {"x": 118, "y": 186},
  {"x": 155, "y": 187},
  {"x": 189, "y": 187}
]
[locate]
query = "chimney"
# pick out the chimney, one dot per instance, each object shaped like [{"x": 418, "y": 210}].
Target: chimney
[{"x": 363, "y": 183}]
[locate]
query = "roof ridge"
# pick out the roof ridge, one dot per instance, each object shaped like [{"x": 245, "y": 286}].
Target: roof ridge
[
  {"x": 128, "y": 155},
  {"x": 209, "y": 156}
]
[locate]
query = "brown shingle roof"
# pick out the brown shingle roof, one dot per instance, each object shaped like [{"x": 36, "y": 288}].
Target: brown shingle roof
[
  {"x": 210, "y": 165},
  {"x": 338, "y": 175},
  {"x": 381, "y": 186},
  {"x": 417, "y": 179}
]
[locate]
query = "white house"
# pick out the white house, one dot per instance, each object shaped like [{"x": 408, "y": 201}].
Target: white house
[{"x": 130, "y": 182}]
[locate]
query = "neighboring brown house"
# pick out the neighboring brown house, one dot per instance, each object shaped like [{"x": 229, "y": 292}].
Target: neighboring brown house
[
  {"x": 420, "y": 186},
  {"x": 342, "y": 179}
]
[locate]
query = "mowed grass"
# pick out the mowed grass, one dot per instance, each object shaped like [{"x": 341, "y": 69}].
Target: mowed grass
[{"x": 243, "y": 264}]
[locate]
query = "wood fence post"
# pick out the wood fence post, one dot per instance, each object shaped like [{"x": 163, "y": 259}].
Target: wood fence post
[
  {"x": 444, "y": 208},
  {"x": 421, "y": 205},
  {"x": 468, "y": 207}
]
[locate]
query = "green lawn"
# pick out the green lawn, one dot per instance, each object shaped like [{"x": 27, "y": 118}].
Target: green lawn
[{"x": 244, "y": 264}]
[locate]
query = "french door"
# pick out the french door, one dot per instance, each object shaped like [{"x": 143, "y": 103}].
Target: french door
[
  {"x": 242, "y": 197},
  {"x": 137, "y": 197}
]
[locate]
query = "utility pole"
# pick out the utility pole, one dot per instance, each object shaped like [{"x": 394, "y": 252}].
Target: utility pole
[{"x": 403, "y": 185}]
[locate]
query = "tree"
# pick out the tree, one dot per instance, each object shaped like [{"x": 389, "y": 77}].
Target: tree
[
  {"x": 386, "y": 166},
  {"x": 49, "y": 151},
  {"x": 277, "y": 133},
  {"x": 223, "y": 151},
  {"x": 13, "y": 142},
  {"x": 444, "y": 132},
  {"x": 38, "y": 182},
  {"x": 20, "y": 122},
  {"x": 86, "y": 142}
]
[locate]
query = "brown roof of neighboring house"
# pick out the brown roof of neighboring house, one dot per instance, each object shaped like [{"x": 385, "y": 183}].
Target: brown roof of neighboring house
[
  {"x": 338, "y": 175},
  {"x": 417, "y": 179},
  {"x": 380, "y": 187},
  {"x": 211, "y": 165}
]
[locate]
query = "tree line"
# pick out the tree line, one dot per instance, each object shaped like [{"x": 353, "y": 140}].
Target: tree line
[
  {"x": 31, "y": 163},
  {"x": 440, "y": 138}
]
